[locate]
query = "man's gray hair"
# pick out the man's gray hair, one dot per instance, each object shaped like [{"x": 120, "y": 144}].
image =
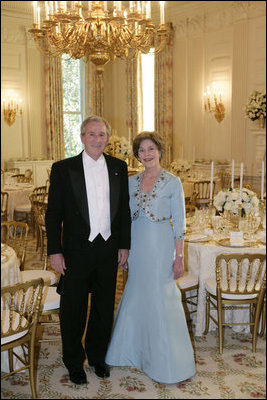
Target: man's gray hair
[{"x": 94, "y": 118}]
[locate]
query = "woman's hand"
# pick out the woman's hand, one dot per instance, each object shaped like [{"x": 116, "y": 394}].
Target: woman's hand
[
  {"x": 123, "y": 255},
  {"x": 178, "y": 267}
]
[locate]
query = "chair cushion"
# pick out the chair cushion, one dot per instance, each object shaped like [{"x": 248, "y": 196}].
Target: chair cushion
[
  {"x": 23, "y": 208},
  {"x": 50, "y": 299},
  {"x": 5, "y": 314},
  {"x": 187, "y": 280},
  {"x": 49, "y": 277},
  {"x": 210, "y": 285}
]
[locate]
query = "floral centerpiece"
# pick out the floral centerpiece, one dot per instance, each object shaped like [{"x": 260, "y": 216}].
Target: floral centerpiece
[
  {"x": 118, "y": 147},
  {"x": 256, "y": 106},
  {"x": 229, "y": 200},
  {"x": 179, "y": 167}
]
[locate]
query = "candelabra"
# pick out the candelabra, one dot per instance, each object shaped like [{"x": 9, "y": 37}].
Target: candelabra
[
  {"x": 213, "y": 103},
  {"x": 11, "y": 108},
  {"x": 100, "y": 36}
]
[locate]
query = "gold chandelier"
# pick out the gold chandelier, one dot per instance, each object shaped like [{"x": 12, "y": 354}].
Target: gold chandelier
[{"x": 100, "y": 36}]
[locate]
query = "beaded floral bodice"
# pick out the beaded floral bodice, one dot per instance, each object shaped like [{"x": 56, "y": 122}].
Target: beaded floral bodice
[{"x": 164, "y": 201}]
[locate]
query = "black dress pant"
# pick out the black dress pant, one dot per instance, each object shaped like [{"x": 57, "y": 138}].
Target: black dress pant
[{"x": 100, "y": 280}]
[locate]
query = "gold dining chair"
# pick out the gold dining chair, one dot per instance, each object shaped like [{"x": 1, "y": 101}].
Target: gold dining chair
[
  {"x": 188, "y": 285},
  {"x": 23, "y": 211},
  {"x": 240, "y": 281},
  {"x": 19, "y": 320},
  {"x": 14, "y": 234},
  {"x": 201, "y": 193},
  {"x": 21, "y": 178},
  {"x": 4, "y": 205},
  {"x": 28, "y": 175}
]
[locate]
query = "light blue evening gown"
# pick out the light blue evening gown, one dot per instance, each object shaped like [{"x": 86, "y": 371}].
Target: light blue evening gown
[{"x": 150, "y": 330}]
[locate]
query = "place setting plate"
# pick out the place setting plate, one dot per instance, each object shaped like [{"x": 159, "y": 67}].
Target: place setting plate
[
  {"x": 194, "y": 238},
  {"x": 227, "y": 243}
]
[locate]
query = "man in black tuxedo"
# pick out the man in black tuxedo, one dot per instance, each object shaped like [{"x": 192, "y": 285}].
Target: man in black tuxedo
[{"x": 88, "y": 236}]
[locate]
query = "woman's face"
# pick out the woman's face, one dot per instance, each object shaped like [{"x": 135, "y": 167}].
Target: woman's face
[{"x": 149, "y": 154}]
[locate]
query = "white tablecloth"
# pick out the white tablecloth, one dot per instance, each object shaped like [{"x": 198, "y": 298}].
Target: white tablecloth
[
  {"x": 200, "y": 259},
  {"x": 10, "y": 275},
  {"x": 10, "y": 272},
  {"x": 18, "y": 194}
]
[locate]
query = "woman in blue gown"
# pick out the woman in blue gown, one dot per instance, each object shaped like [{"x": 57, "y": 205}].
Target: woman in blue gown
[{"x": 150, "y": 330}]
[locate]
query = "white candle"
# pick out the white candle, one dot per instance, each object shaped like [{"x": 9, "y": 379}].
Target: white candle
[
  {"x": 34, "y": 3},
  {"x": 233, "y": 174},
  {"x": 148, "y": 10},
  {"x": 38, "y": 17},
  {"x": 262, "y": 179},
  {"x": 211, "y": 179},
  {"x": 105, "y": 6},
  {"x": 162, "y": 16},
  {"x": 241, "y": 180}
]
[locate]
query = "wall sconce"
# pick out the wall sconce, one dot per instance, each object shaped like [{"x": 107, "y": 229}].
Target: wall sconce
[
  {"x": 213, "y": 102},
  {"x": 12, "y": 107}
]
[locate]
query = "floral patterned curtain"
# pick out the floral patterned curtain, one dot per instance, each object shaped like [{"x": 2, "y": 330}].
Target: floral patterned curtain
[
  {"x": 54, "y": 109},
  {"x": 131, "y": 77},
  {"x": 131, "y": 98},
  {"x": 164, "y": 97}
]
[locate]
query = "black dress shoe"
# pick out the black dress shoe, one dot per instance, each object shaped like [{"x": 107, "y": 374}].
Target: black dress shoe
[
  {"x": 78, "y": 376},
  {"x": 101, "y": 370}
]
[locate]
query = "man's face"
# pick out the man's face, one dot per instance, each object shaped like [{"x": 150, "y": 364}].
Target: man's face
[{"x": 95, "y": 139}]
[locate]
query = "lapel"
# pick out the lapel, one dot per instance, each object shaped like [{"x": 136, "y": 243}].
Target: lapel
[
  {"x": 114, "y": 173},
  {"x": 78, "y": 184}
]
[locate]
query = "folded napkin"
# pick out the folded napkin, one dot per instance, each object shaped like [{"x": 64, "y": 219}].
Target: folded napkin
[{"x": 236, "y": 238}]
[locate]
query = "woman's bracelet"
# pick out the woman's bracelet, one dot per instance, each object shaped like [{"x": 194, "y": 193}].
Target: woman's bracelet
[{"x": 179, "y": 255}]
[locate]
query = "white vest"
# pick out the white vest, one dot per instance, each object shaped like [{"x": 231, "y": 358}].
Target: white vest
[{"x": 97, "y": 189}]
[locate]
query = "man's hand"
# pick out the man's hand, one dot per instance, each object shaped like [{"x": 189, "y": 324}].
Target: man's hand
[
  {"x": 178, "y": 267},
  {"x": 123, "y": 255},
  {"x": 58, "y": 263}
]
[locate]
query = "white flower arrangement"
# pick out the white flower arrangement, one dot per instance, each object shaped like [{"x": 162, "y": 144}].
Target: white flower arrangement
[
  {"x": 118, "y": 147},
  {"x": 180, "y": 166},
  {"x": 229, "y": 200},
  {"x": 256, "y": 106}
]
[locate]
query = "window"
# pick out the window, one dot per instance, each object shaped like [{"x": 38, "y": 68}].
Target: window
[
  {"x": 73, "y": 104},
  {"x": 146, "y": 92}
]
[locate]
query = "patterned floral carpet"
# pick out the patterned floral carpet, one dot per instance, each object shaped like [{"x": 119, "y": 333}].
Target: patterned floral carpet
[{"x": 237, "y": 374}]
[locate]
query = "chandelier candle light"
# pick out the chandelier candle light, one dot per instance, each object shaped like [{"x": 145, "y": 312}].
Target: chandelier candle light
[
  {"x": 100, "y": 35},
  {"x": 12, "y": 107},
  {"x": 217, "y": 107}
]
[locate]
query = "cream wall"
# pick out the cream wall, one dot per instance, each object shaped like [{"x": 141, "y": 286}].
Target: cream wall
[
  {"x": 225, "y": 42},
  {"x": 222, "y": 41},
  {"x": 22, "y": 70}
]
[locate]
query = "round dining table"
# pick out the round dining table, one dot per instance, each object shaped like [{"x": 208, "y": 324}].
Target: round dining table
[
  {"x": 18, "y": 193},
  {"x": 200, "y": 259},
  {"x": 10, "y": 271}
]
